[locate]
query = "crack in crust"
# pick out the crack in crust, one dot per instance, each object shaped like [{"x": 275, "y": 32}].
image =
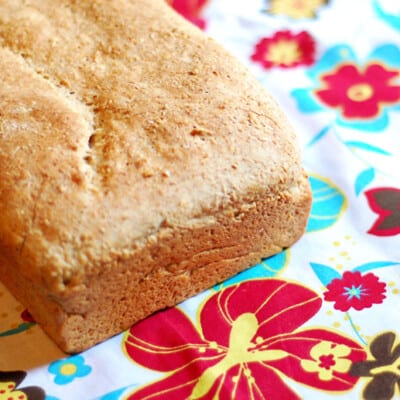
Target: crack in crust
[{"x": 33, "y": 219}]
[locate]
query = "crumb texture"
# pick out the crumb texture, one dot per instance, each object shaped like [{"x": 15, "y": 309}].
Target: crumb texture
[{"x": 117, "y": 118}]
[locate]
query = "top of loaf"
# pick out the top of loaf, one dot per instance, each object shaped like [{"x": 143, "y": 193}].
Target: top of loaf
[{"x": 118, "y": 119}]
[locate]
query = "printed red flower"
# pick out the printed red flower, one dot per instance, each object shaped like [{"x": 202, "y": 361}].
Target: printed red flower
[
  {"x": 26, "y": 316},
  {"x": 285, "y": 49},
  {"x": 359, "y": 93},
  {"x": 386, "y": 203},
  {"x": 355, "y": 290},
  {"x": 248, "y": 339},
  {"x": 191, "y": 10}
]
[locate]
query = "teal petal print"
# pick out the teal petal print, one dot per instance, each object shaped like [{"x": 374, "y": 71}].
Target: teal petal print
[
  {"x": 20, "y": 328},
  {"x": 268, "y": 268},
  {"x": 363, "y": 179},
  {"x": 367, "y": 147},
  {"x": 332, "y": 56},
  {"x": 113, "y": 396},
  {"x": 375, "y": 265},
  {"x": 322, "y": 133},
  {"x": 369, "y": 126},
  {"x": 388, "y": 53},
  {"x": 66, "y": 370},
  {"x": 306, "y": 101},
  {"x": 117, "y": 394},
  {"x": 325, "y": 273},
  {"x": 391, "y": 19},
  {"x": 327, "y": 206}
]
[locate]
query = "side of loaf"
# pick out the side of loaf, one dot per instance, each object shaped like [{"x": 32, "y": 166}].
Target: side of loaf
[{"x": 140, "y": 163}]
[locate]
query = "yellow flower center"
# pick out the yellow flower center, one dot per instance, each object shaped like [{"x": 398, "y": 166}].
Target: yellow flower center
[
  {"x": 68, "y": 369},
  {"x": 296, "y": 8},
  {"x": 360, "y": 92},
  {"x": 243, "y": 330},
  {"x": 300, "y": 4},
  {"x": 284, "y": 52}
]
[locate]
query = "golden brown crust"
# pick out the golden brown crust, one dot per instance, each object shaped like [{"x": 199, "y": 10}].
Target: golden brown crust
[
  {"x": 179, "y": 263},
  {"x": 126, "y": 136}
]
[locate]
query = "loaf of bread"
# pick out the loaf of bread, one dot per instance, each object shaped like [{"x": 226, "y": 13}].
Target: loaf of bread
[{"x": 140, "y": 164}]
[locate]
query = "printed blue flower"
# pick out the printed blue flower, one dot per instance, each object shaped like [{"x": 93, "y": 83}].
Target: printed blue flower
[
  {"x": 68, "y": 369},
  {"x": 359, "y": 94}
]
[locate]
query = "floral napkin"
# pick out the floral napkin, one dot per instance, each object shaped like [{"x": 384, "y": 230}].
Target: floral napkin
[{"x": 320, "y": 320}]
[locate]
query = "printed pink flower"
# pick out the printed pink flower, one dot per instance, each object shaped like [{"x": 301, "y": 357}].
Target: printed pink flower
[
  {"x": 386, "y": 203},
  {"x": 355, "y": 290},
  {"x": 191, "y": 10},
  {"x": 359, "y": 93},
  {"x": 249, "y": 338},
  {"x": 285, "y": 49}
]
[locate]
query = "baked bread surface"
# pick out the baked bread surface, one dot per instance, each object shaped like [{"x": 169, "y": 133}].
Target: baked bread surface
[{"x": 140, "y": 163}]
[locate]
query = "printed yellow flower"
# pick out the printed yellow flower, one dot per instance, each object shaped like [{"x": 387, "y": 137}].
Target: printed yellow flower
[
  {"x": 328, "y": 358},
  {"x": 7, "y": 392},
  {"x": 10, "y": 382},
  {"x": 296, "y": 8}
]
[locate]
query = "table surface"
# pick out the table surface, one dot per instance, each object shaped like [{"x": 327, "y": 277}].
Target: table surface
[{"x": 319, "y": 320}]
